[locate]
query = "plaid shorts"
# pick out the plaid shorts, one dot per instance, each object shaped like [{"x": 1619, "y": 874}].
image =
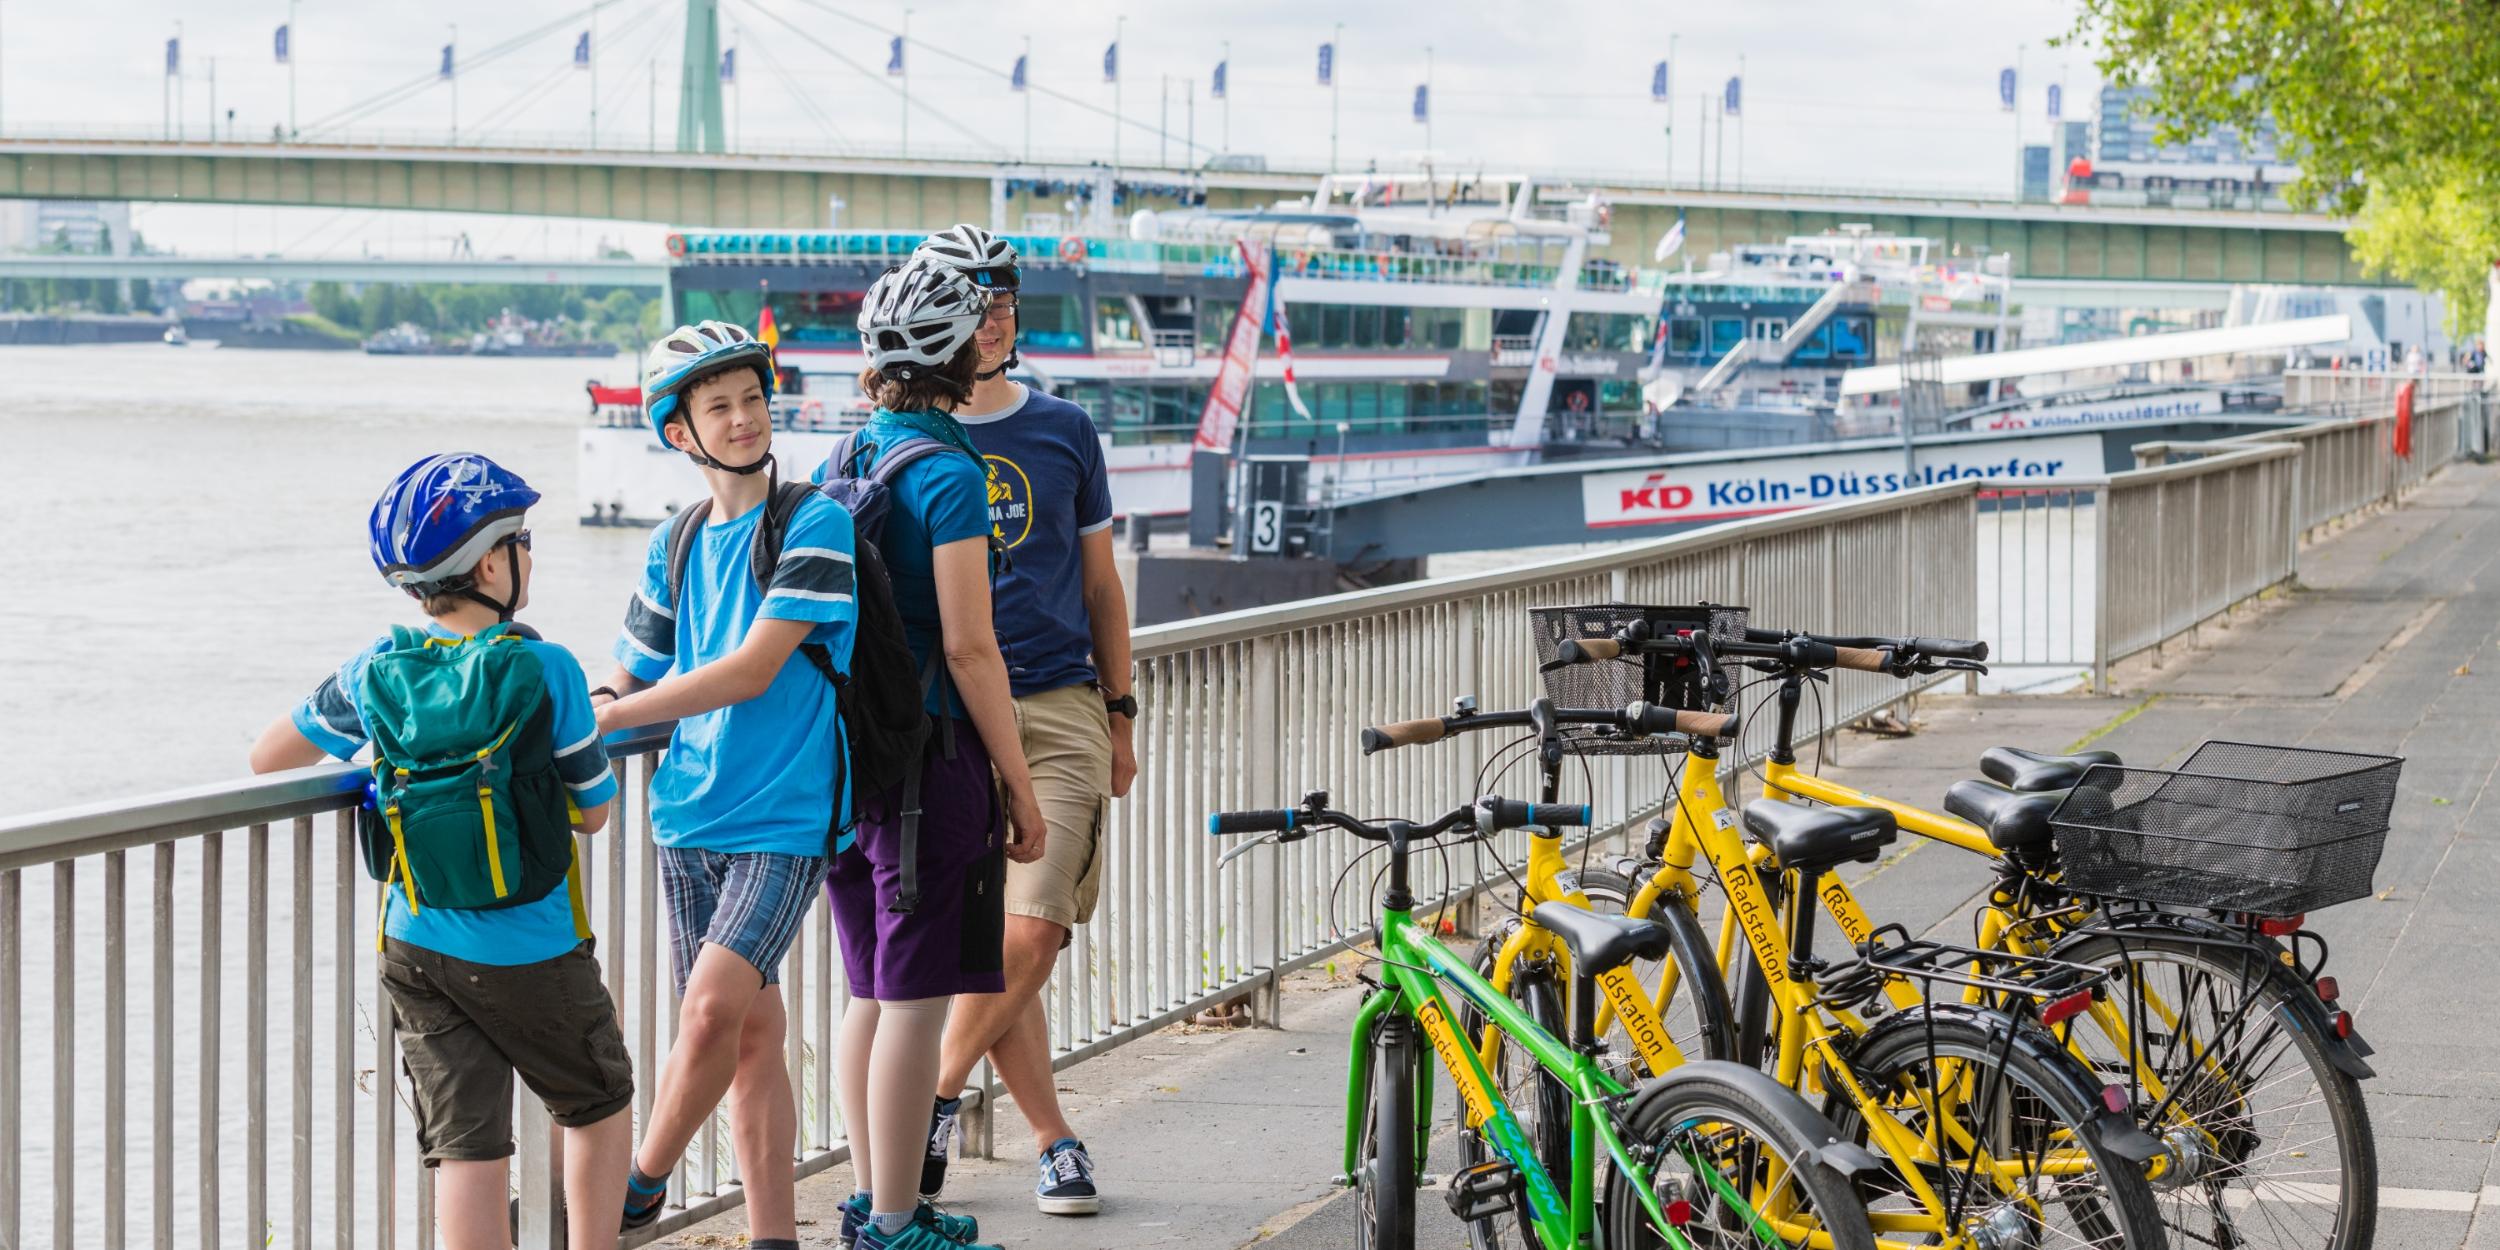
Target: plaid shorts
[{"x": 750, "y": 904}]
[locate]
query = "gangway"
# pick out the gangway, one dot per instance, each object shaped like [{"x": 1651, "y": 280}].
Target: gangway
[
  {"x": 1776, "y": 351},
  {"x": 2111, "y": 353}
]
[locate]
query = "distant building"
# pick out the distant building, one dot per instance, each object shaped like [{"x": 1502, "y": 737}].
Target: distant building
[
  {"x": 2124, "y": 132},
  {"x": 34, "y": 225}
]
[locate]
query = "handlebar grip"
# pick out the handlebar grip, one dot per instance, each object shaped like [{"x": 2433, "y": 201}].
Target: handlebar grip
[
  {"x": 1405, "y": 733},
  {"x": 1499, "y": 813},
  {"x": 1863, "y": 659},
  {"x": 1949, "y": 648},
  {"x": 1585, "y": 650},
  {"x": 1274, "y": 821},
  {"x": 1659, "y": 720}
]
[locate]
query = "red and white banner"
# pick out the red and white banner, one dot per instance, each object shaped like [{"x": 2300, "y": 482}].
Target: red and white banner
[{"x": 1231, "y": 389}]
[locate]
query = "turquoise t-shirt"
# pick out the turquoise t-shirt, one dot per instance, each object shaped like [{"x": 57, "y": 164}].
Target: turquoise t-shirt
[
  {"x": 938, "y": 500},
  {"x": 758, "y": 775},
  {"x": 531, "y": 933}
]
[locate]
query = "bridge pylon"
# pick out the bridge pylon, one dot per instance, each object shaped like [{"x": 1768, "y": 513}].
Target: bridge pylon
[{"x": 699, "y": 127}]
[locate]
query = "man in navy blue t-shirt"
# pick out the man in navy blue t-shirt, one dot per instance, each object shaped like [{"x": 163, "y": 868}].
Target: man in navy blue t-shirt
[{"x": 1062, "y": 623}]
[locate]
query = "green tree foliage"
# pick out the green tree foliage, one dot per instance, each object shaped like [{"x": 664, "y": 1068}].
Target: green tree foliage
[{"x": 2387, "y": 106}]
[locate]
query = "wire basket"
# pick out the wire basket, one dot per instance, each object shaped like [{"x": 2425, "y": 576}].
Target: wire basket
[
  {"x": 1658, "y": 680},
  {"x": 2239, "y": 827}
]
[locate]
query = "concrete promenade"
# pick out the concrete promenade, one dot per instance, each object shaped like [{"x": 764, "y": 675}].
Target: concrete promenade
[{"x": 2391, "y": 643}]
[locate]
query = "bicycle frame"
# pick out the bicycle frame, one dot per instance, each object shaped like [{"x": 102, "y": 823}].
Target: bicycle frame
[
  {"x": 1414, "y": 967},
  {"x": 1620, "y": 991}
]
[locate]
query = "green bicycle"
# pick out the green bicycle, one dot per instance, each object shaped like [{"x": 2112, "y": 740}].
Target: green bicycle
[{"x": 1712, "y": 1154}]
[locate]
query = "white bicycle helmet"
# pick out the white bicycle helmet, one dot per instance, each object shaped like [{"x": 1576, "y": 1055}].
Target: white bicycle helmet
[
  {"x": 983, "y": 257},
  {"x": 916, "y": 318}
]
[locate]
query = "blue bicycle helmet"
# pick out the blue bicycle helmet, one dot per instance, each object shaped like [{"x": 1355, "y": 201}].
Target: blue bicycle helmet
[
  {"x": 689, "y": 354},
  {"x": 440, "y": 517}
]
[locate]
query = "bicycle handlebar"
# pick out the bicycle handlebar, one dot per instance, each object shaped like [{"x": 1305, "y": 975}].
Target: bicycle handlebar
[
  {"x": 1639, "y": 718},
  {"x": 1405, "y": 733},
  {"x": 1490, "y": 814},
  {"x": 1901, "y": 657},
  {"x": 1273, "y": 821},
  {"x": 1933, "y": 648}
]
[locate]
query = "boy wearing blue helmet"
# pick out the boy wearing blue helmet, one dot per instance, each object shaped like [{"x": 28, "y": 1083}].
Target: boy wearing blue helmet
[
  {"x": 740, "y": 628},
  {"x": 486, "y": 955}
]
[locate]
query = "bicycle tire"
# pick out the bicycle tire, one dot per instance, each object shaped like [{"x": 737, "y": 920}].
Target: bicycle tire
[
  {"x": 2033, "y": 1078},
  {"x": 1541, "y": 1103},
  {"x": 2199, "y": 1208},
  {"x": 1714, "y": 1099},
  {"x": 1711, "y": 1032},
  {"x": 1385, "y": 1170}
]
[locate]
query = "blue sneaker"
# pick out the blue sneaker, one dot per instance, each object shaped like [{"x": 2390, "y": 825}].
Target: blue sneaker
[
  {"x": 915, "y": 1236},
  {"x": 1067, "y": 1183},
  {"x": 956, "y": 1229}
]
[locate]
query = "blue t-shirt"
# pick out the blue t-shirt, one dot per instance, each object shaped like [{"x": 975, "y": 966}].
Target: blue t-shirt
[
  {"x": 939, "y": 499},
  {"x": 758, "y": 775},
  {"x": 330, "y": 718},
  {"x": 1048, "y": 489}
]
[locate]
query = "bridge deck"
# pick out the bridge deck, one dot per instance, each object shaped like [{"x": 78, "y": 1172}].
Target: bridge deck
[{"x": 2392, "y": 644}]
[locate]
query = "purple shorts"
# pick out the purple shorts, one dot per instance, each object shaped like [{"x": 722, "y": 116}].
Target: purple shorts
[{"x": 950, "y": 943}]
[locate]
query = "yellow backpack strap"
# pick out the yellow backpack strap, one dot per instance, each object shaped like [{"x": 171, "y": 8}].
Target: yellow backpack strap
[
  {"x": 494, "y": 854},
  {"x": 573, "y": 888}
]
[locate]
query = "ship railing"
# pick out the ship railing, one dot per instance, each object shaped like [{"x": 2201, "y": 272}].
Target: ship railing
[
  {"x": 193, "y": 1044},
  {"x": 1512, "y": 351}
]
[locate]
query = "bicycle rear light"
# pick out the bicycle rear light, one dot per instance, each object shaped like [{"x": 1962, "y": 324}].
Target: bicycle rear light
[
  {"x": 2342, "y": 1023},
  {"x": 2060, "y": 1010},
  {"x": 2280, "y": 926},
  {"x": 2114, "y": 1100},
  {"x": 2328, "y": 990},
  {"x": 1680, "y": 1212}
]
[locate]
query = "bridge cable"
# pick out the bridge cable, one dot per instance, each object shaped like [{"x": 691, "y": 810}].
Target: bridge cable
[
  {"x": 408, "y": 89},
  {"x": 1140, "y": 124},
  {"x": 789, "y": 83},
  {"x": 837, "y": 54},
  {"x": 628, "y": 86}
]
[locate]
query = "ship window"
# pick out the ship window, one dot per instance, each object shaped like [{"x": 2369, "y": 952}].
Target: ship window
[
  {"x": 818, "y": 316},
  {"x": 1366, "y": 326},
  {"x": 734, "y": 307},
  {"x": 1394, "y": 397},
  {"x": 1049, "y": 322},
  {"x": 1215, "y": 324},
  {"x": 1363, "y": 406},
  {"x": 1395, "y": 328},
  {"x": 1115, "y": 325},
  {"x": 1817, "y": 346},
  {"x": 1684, "y": 336},
  {"x": 1725, "y": 334},
  {"x": 1853, "y": 338},
  {"x": 1335, "y": 329}
]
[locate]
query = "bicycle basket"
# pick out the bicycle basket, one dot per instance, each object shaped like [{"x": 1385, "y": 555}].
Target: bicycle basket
[
  {"x": 1658, "y": 680},
  {"x": 2238, "y": 827}
]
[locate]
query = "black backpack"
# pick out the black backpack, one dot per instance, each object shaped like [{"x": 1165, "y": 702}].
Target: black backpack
[{"x": 881, "y": 702}]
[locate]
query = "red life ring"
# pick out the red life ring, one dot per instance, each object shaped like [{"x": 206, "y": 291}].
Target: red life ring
[
  {"x": 1072, "y": 250},
  {"x": 677, "y": 245}
]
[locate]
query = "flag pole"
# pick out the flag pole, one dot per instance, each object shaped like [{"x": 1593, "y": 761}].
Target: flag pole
[
  {"x": 1228, "y": 101},
  {"x": 1027, "y": 92},
  {"x": 290, "y": 68},
  {"x": 1119, "y": 31},
  {"x": 1336, "y": 53},
  {"x": 905, "y": 56}
]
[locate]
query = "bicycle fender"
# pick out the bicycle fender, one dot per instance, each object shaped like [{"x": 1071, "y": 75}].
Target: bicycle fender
[
  {"x": 1845, "y": 1157},
  {"x": 2348, "y": 1053},
  {"x": 2117, "y": 1131}
]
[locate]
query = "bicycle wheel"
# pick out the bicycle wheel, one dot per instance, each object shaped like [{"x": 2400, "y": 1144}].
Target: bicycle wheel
[
  {"x": 1696, "y": 1012},
  {"x": 2269, "y": 1144},
  {"x": 1541, "y": 1103},
  {"x": 2028, "y": 1108},
  {"x": 1385, "y": 1170},
  {"x": 1741, "y": 1173}
]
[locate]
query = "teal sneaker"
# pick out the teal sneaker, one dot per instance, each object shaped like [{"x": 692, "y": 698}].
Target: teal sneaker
[
  {"x": 958, "y": 1230},
  {"x": 921, "y": 1234}
]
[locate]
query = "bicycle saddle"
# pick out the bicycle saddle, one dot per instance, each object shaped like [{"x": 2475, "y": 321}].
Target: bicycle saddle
[
  {"x": 2015, "y": 820},
  {"x": 1598, "y": 943},
  {"x": 1812, "y": 839},
  {"x": 2018, "y": 769}
]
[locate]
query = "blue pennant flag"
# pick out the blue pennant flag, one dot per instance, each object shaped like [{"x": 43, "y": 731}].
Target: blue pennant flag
[
  {"x": 581, "y": 51},
  {"x": 1733, "y": 104},
  {"x": 2005, "y": 90},
  {"x": 894, "y": 58},
  {"x": 285, "y": 36},
  {"x": 1658, "y": 83},
  {"x": 1111, "y": 63},
  {"x": 445, "y": 71},
  {"x": 1327, "y": 64},
  {"x": 173, "y": 57},
  {"x": 2057, "y": 102},
  {"x": 1423, "y": 102},
  {"x": 1015, "y": 81},
  {"x": 729, "y": 65},
  {"x": 1218, "y": 91}
]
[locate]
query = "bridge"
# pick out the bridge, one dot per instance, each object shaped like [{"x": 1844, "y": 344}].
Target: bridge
[
  {"x": 643, "y": 275},
  {"x": 2183, "y": 248},
  {"x": 2311, "y": 584}
]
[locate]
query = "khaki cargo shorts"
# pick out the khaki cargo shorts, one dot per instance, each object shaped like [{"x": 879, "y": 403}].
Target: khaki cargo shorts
[{"x": 1067, "y": 745}]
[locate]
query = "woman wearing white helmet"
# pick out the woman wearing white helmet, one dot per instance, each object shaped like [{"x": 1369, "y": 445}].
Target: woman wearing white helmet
[{"x": 905, "y": 967}]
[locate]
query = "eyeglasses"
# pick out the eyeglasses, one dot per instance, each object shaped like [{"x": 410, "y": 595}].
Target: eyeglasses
[
  {"x": 1002, "y": 309},
  {"x": 521, "y": 539}
]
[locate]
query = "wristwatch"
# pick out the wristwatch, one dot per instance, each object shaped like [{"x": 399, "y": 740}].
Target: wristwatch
[{"x": 1125, "y": 705}]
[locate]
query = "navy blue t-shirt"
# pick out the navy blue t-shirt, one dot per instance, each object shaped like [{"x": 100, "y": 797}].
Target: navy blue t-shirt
[{"x": 1048, "y": 488}]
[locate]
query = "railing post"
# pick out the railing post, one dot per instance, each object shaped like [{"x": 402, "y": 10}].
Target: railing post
[
  {"x": 539, "y": 1175},
  {"x": 1262, "y": 757},
  {"x": 2103, "y": 498}
]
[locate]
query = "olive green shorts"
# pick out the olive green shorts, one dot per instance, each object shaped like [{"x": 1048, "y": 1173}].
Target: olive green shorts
[{"x": 465, "y": 1028}]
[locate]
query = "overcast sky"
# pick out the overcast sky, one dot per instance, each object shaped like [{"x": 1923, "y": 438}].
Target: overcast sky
[{"x": 1836, "y": 91}]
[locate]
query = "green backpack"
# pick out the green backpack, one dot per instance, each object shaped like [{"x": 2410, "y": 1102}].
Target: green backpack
[{"x": 468, "y": 811}]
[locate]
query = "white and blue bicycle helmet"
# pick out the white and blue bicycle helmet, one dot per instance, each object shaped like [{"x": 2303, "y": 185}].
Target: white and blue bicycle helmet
[
  {"x": 689, "y": 354},
  {"x": 441, "y": 516},
  {"x": 916, "y": 318},
  {"x": 991, "y": 263}
]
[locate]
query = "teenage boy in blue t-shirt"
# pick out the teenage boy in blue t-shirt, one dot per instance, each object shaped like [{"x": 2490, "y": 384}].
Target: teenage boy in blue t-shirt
[
  {"x": 1062, "y": 622},
  {"x": 478, "y": 995},
  {"x": 745, "y": 801}
]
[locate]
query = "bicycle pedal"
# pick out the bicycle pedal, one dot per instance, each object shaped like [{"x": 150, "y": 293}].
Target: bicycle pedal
[{"x": 1484, "y": 1191}]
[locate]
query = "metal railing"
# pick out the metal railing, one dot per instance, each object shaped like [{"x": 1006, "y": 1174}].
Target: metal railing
[{"x": 233, "y": 1134}]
